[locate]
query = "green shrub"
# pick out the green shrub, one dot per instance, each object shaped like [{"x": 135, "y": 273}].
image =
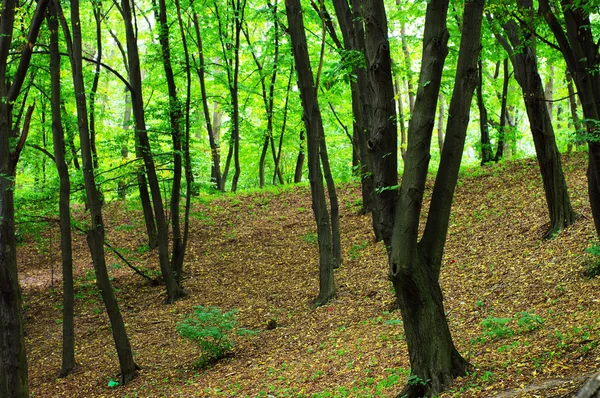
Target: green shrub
[
  {"x": 210, "y": 329},
  {"x": 592, "y": 265}
]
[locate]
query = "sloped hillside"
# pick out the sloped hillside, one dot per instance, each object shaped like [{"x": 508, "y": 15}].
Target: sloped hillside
[{"x": 520, "y": 307}]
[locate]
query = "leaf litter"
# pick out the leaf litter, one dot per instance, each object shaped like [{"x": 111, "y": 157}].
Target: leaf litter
[{"x": 520, "y": 307}]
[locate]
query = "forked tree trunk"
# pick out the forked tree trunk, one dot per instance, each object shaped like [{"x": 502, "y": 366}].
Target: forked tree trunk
[
  {"x": 415, "y": 267},
  {"x": 95, "y": 236},
  {"x": 314, "y": 129},
  {"x": 13, "y": 360},
  {"x": 68, "y": 338}
]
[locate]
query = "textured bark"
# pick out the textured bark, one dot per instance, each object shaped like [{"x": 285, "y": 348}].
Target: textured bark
[
  {"x": 440, "y": 125},
  {"x": 13, "y": 361},
  {"x": 68, "y": 338},
  {"x": 415, "y": 266},
  {"x": 314, "y": 130},
  {"x": 581, "y": 53},
  {"x": 137, "y": 104},
  {"x": 383, "y": 140},
  {"x": 95, "y": 235},
  {"x": 524, "y": 60}
]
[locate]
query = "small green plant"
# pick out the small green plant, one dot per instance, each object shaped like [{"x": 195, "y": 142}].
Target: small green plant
[
  {"x": 496, "y": 328},
  {"x": 591, "y": 267},
  {"x": 311, "y": 238},
  {"x": 357, "y": 249},
  {"x": 527, "y": 321},
  {"x": 210, "y": 329}
]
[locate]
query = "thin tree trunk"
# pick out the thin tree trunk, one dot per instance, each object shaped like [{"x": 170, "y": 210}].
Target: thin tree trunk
[
  {"x": 94, "y": 90},
  {"x": 95, "y": 236},
  {"x": 177, "y": 134},
  {"x": 277, "y": 173},
  {"x": 68, "y": 340},
  {"x": 299, "y": 160},
  {"x": 213, "y": 141},
  {"x": 440, "y": 124},
  {"x": 573, "y": 107},
  {"x": 314, "y": 129},
  {"x": 137, "y": 102},
  {"x": 503, "y": 114},
  {"x": 486, "y": 145}
]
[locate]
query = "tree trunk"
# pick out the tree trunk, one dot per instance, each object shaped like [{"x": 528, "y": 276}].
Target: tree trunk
[
  {"x": 383, "y": 140},
  {"x": 299, "y": 160},
  {"x": 314, "y": 129},
  {"x": 13, "y": 361},
  {"x": 415, "y": 267},
  {"x": 213, "y": 141},
  {"x": 503, "y": 114},
  {"x": 526, "y": 72},
  {"x": 68, "y": 340},
  {"x": 137, "y": 102},
  {"x": 486, "y": 145},
  {"x": 95, "y": 236},
  {"x": 177, "y": 135},
  {"x": 440, "y": 125}
]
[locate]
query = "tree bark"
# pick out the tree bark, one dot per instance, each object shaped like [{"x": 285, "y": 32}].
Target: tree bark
[
  {"x": 314, "y": 129},
  {"x": 383, "y": 140},
  {"x": 415, "y": 265},
  {"x": 525, "y": 66},
  {"x": 95, "y": 235},
  {"x": 68, "y": 340},
  {"x": 137, "y": 104},
  {"x": 299, "y": 160},
  {"x": 486, "y": 145},
  {"x": 13, "y": 361}
]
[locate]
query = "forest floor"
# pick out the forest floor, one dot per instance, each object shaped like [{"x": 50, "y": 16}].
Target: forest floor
[{"x": 521, "y": 308}]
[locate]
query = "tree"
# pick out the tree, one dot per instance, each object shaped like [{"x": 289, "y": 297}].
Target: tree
[
  {"x": 95, "y": 235},
  {"x": 414, "y": 264},
  {"x": 522, "y": 52},
  {"x": 581, "y": 53},
  {"x": 58, "y": 138},
  {"x": 137, "y": 103},
  {"x": 314, "y": 130},
  {"x": 13, "y": 361}
]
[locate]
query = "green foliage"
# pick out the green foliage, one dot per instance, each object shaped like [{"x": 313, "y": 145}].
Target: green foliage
[
  {"x": 496, "y": 328},
  {"x": 311, "y": 238},
  {"x": 592, "y": 265},
  {"x": 211, "y": 329},
  {"x": 528, "y": 322}
]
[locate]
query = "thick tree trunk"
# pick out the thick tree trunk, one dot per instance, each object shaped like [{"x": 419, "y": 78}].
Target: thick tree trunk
[
  {"x": 440, "y": 124},
  {"x": 314, "y": 129},
  {"x": 526, "y": 72},
  {"x": 415, "y": 267},
  {"x": 68, "y": 340},
  {"x": 95, "y": 236},
  {"x": 13, "y": 360}
]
